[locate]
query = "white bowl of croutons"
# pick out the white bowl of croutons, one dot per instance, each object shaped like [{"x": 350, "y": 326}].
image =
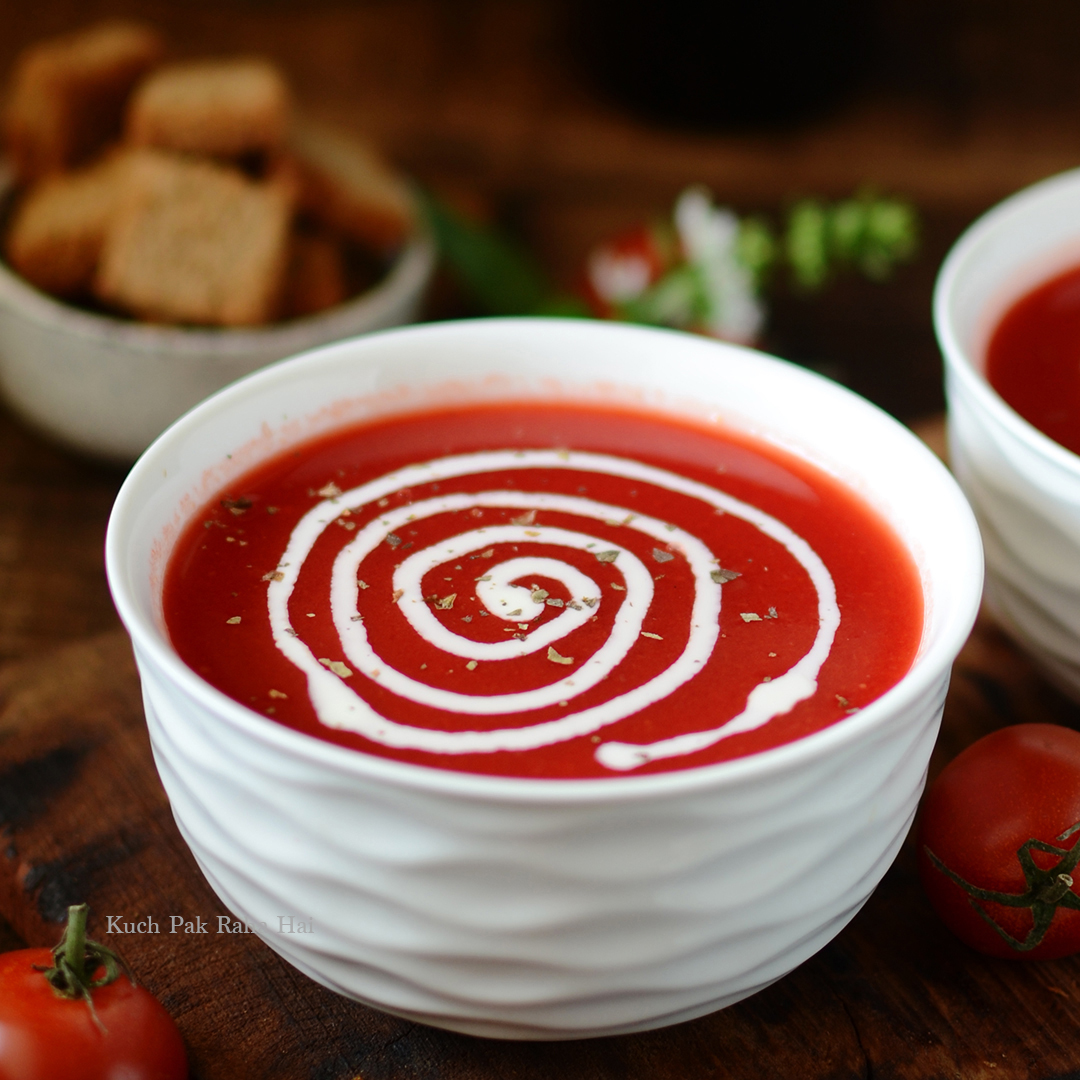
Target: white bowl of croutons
[{"x": 203, "y": 232}]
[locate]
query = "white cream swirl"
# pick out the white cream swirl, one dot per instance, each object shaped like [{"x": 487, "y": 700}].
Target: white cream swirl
[{"x": 337, "y": 705}]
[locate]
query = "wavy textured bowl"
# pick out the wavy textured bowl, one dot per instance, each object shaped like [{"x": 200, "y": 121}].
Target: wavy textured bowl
[
  {"x": 1023, "y": 486},
  {"x": 108, "y": 387},
  {"x": 531, "y": 908}
]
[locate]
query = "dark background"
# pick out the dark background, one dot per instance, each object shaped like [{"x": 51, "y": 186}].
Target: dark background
[{"x": 563, "y": 122}]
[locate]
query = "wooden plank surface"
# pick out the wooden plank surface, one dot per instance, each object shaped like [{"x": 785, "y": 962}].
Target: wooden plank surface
[{"x": 484, "y": 101}]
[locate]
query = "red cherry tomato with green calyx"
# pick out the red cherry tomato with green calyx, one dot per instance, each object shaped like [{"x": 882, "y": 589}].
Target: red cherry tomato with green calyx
[
  {"x": 126, "y": 1035},
  {"x": 999, "y": 843}
]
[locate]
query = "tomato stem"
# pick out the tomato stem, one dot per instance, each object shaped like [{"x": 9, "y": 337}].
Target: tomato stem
[
  {"x": 1047, "y": 890},
  {"x": 76, "y": 959},
  {"x": 73, "y": 943}
]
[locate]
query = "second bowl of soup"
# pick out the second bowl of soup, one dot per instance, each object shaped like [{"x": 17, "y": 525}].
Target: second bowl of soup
[{"x": 1006, "y": 306}]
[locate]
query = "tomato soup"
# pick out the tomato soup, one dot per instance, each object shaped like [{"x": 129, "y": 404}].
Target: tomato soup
[
  {"x": 1033, "y": 359},
  {"x": 537, "y": 590}
]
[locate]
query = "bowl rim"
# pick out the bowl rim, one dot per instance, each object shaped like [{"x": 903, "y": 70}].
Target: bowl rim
[
  {"x": 409, "y": 268},
  {"x": 929, "y": 667},
  {"x": 957, "y": 360}
]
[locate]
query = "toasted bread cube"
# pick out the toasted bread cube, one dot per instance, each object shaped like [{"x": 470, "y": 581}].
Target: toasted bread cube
[
  {"x": 315, "y": 279},
  {"x": 67, "y": 95},
  {"x": 347, "y": 185},
  {"x": 218, "y": 107},
  {"x": 58, "y": 228},
  {"x": 196, "y": 242}
]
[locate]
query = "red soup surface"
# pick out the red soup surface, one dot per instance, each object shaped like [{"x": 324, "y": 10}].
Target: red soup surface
[
  {"x": 1033, "y": 360},
  {"x": 544, "y": 591}
]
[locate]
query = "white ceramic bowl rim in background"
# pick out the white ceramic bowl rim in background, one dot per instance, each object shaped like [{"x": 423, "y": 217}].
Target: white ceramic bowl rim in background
[
  {"x": 151, "y": 640},
  {"x": 963, "y": 255}
]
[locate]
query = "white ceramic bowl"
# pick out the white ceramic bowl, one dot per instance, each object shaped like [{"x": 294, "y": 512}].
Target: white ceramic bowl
[
  {"x": 108, "y": 387},
  {"x": 1023, "y": 486},
  {"x": 534, "y": 908}
]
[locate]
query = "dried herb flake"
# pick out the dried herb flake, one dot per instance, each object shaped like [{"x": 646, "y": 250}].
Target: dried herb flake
[
  {"x": 722, "y": 576},
  {"x": 336, "y": 666},
  {"x": 236, "y": 506}
]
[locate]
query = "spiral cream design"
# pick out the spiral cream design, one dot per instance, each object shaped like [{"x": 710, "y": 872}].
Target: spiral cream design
[{"x": 503, "y": 597}]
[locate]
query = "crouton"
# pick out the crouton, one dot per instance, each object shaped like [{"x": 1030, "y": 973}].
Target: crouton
[
  {"x": 222, "y": 108},
  {"x": 346, "y": 185},
  {"x": 315, "y": 279},
  {"x": 59, "y": 226},
  {"x": 196, "y": 242},
  {"x": 67, "y": 95}
]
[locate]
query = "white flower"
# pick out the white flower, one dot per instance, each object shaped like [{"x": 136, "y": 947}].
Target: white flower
[
  {"x": 618, "y": 278},
  {"x": 708, "y": 235}
]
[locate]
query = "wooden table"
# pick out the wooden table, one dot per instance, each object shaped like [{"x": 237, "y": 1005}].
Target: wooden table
[{"x": 479, "y": 100}]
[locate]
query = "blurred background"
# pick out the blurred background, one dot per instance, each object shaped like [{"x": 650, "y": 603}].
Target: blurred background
[{"x": 562, "y": 123}]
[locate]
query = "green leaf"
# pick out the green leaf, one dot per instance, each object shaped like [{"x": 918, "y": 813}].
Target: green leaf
[
  {"x": 806, "y": 243},
  {"x": 892, "y": 237},
  {"x": 868, "y": 232},
  {"x": 563, "y": 306},
  {"x": 500, "y": 277},
  {"x": 847, "y": 229},
  {"x": 676, "y": 299},
  {"x": 756, "y": 249}
]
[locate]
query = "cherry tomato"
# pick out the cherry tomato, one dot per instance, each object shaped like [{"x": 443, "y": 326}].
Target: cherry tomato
[
  {"x": 999, "y": 843},
  {"x": 127, "y": 1035},
  {"x": 622, "y": 268}
]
